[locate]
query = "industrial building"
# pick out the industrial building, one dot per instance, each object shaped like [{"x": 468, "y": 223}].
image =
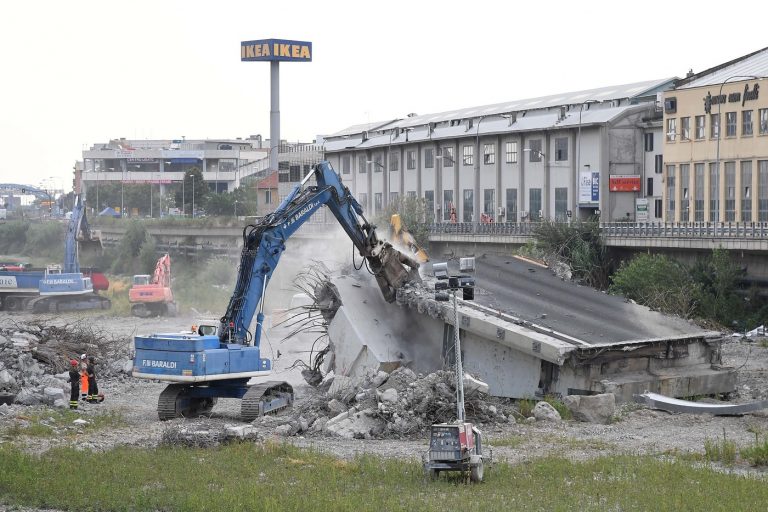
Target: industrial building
[
  {"x": 570, "y": 155},
  {"x": 716, "y": 144},
  {"x": 224, "y": 163}
]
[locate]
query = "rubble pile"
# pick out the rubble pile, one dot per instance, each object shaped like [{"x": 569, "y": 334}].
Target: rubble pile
[
  {"x": 34, "y": 359},
  {"x": 384, "y": 405}
]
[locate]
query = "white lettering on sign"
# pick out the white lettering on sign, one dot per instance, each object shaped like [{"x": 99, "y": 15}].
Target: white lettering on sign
[
  {"x": 301, "y": 213},
  {"x": 59, "y": 281},
  {"x": 8, "y": 282},
  {"x": 153, "y": 363}
]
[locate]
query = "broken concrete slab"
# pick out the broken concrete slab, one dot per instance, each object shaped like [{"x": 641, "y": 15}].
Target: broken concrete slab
[
  {"x": 592, "y": 408},
  {"x": 665, "y": 403},
  {"x": 358, "y": 425}
]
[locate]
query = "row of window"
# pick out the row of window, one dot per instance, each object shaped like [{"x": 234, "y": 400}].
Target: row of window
[
  {"x": 446, "y": 154},
  {"x": 451, "y": 213},
  {"x": 696, "y": 199},
  {"x": 731, "y": 125}
]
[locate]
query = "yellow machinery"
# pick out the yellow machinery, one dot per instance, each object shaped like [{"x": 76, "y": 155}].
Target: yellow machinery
[{"x": 399, "y": 234}]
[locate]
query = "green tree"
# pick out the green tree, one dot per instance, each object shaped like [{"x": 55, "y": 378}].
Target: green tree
[
  {"x": 148, "y": 255},
  {"x": 580, "y": 245},
  {"x": 126, "y": 259},
  {"x": 719, "y": 279},
  {"x": 193, "y": 191},
  {"x": 658, "y": 282}
]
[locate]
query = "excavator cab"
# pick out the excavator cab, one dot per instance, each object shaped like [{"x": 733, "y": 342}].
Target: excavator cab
[{"x": 141, "y": 279}]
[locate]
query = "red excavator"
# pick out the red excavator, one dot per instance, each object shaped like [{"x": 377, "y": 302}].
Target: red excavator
[{"x": 151, "y": 295}]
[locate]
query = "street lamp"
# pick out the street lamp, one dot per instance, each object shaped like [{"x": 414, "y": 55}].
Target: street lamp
[
  {"x": 448, "y": 286},
  {"x": 578, "y": 148}
]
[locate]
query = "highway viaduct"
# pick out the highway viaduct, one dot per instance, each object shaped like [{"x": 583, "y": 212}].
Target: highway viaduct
[{"x": 682, "y": 241}]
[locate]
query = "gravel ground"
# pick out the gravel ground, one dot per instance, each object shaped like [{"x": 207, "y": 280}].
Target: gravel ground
[{"x": 637, "y": 431}]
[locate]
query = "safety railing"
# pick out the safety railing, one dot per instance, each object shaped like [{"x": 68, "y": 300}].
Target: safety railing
[{"x": 615, "y": 229}]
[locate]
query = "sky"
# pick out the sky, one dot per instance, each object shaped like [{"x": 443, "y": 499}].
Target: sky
[{"x": 86, "y": 71}]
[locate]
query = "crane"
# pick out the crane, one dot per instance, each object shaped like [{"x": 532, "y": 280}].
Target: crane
[{"x": 218, "y": 361}]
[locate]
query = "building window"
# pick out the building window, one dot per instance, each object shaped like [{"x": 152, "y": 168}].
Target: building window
[
  {"x": 511, "y": 152},
  {"x": 714, "y": 193},
  {"x": 685, "y": 128},
  {"x": 429, "y": 158},
  {"x": 658, "y": 162},
  {"x": 377, "y": 165},
  {"x": 671, "y": 129},
  {"x": 763, "y": 113},
  {"x": 468, "y": 155},
  {"x": 411, "y": 194},
  {"x": 489, "y": 202},
  {"x": 363, "y": 200},
  {"x": 267, "y": 197},
  {"x": 657, "y": 208},
  {"x": 429, "y": 205},
  {"x": 295, "y": 172},
  {"x": 762, "y": 189},
  {"x": 511, "y": 213},
  {"x": 362, "y": 163},
  {"x": 448, "y": 205},
  {"x": 730, "y": 124},
  {"x": 393, "y": 198},
  {"x": 534, "y": 150},
  {"x": 469, "y": 202},
  {"x": 649, "y": 187},
  {"x": 448, "y": 156},
  {"x": 700, "y": 127},
  {"x": 698, "y": 191},
  {"x": 714, "y": 126},
  {"x": 561, "y": 204},
  {"x": 671, "y": 192},
  {"x": 283, "y": 177},
  {"x": 685, "y": 180},
  {"x": 345, "y": 164},
  {"x": 394, "y": 161},
  {"x": 411, "y": 160},
  {"x": 561, "y": 149},
  {"x": 730, "y": 191},
  {"x": 648, "y": 142},
  {"x": 534, "y": 202},
  {"x": 377, "y": 202},
  {"x": 489, "y": 154},
  {"x": 746, "y": 123},
  {"x": 746, "y": 191}
]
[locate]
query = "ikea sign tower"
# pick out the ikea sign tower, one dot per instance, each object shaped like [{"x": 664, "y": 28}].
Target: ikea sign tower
[{"x": 274, "y": 51}]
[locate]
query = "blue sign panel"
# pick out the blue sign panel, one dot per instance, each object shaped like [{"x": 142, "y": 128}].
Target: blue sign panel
[
  {"x": 595, "y": 186},
  {"x": 276, "y": 49}
]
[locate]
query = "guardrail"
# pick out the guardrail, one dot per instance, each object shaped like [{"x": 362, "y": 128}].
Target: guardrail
[{"x": 615, "y": 229}]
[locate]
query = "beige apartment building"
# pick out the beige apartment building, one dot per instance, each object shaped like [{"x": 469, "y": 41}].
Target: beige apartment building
[{"x": 716, "y": 144}]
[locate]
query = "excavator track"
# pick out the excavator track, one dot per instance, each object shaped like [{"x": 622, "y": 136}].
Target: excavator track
[
  {"x": 54, "y": 304},
  {"x": 264, "y": 398},
  {"x": 175, "y": 401}
]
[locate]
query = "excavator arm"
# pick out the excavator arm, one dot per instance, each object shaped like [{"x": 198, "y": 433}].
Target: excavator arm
[{"x": 264, "y": 243}]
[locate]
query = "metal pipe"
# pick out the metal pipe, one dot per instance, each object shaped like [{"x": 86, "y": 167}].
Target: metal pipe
[{"x": 459, "y": 369}]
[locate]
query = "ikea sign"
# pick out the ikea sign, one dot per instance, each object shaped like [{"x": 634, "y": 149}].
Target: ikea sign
[{"x": 276, "y": 50}]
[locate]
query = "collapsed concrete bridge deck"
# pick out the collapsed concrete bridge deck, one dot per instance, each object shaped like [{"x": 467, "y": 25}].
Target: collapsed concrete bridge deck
[{"x": 528, "y": 334}]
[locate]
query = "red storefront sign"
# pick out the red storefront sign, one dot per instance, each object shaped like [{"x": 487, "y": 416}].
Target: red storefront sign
[{"x": 624, "y": 183}]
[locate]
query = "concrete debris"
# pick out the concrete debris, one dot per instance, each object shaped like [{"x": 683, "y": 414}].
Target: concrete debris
[
  {"x": 592, "y": 408},
  {"x": 53, "y": 394},
  {"x": 400, "y": 404},
  {"x": 34, "y": 359},
  {"x": 80, "y": 421},
  {"x": 544, "y": 411},
  {"x": 60, "y": 403}
]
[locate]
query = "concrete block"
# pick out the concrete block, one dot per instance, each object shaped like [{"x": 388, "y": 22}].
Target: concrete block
[
  {"x": 592, "y": 408},
  {"x": 545, "y": 412}
]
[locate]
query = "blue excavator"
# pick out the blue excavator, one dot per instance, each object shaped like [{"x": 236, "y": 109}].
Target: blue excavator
[{"x": 218, "y": 361}]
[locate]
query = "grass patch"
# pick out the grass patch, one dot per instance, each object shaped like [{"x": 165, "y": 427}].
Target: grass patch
[
  {"x": 526, "y": 406},
  {"x": 509, "y": 442},
  {"x": 49, "y": 423},
  {"x": 559, "y": 406},
  {"x": 720, "y": 450},
  {"x": 245, "y": 477}
]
